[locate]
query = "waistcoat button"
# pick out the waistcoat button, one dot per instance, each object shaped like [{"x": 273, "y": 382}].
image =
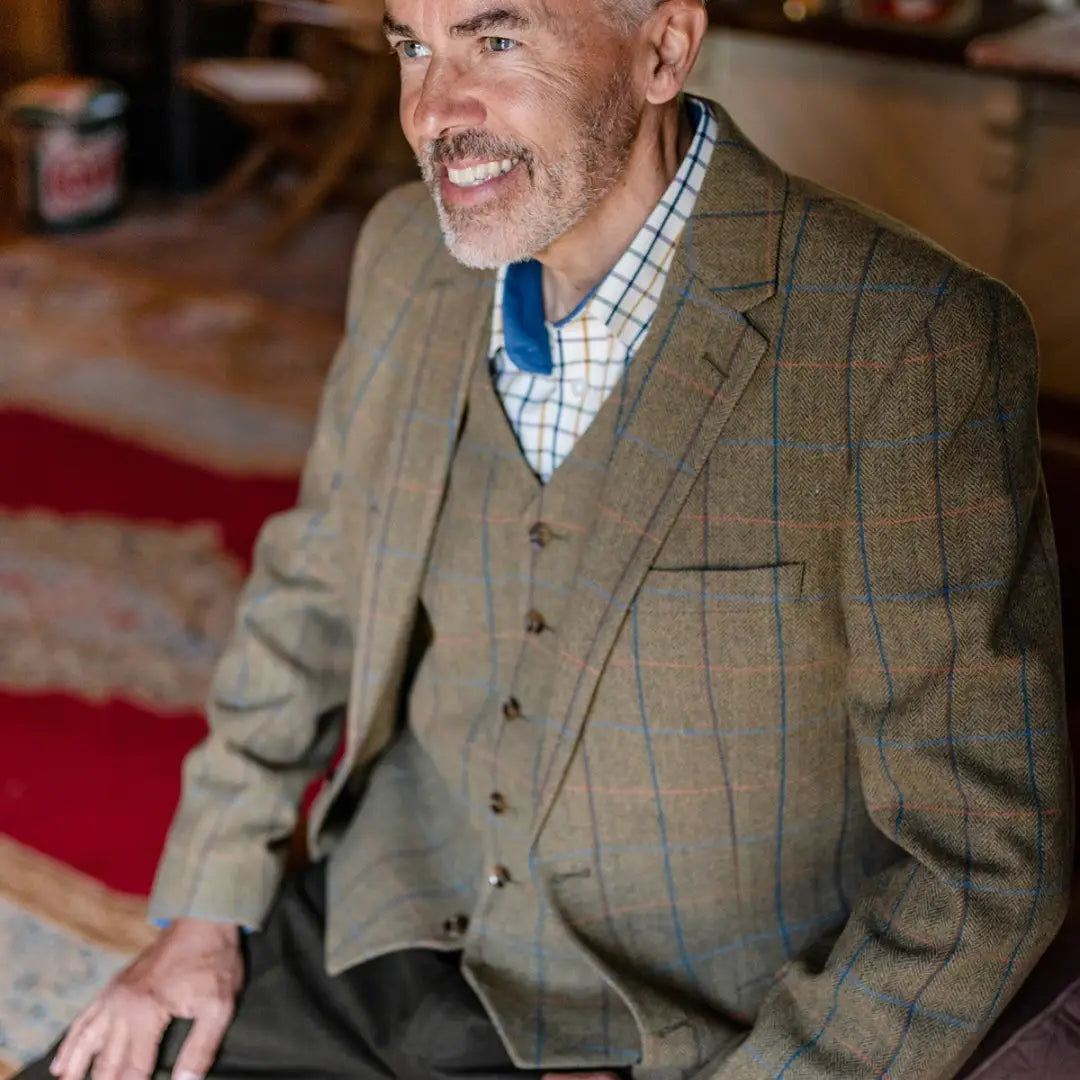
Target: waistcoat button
[
  {"x": 497, "y": 802},
  {"x": 456, "y": 926},
  {"x": 498, "y": 876},
  {"x": 534, "y": 622},
  {"x": 511, "y": 709},
  {"x": 540, "y": 535}
]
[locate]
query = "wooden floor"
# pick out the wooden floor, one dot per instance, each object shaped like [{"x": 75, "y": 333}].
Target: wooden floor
[{"x": 172, "y": 238}]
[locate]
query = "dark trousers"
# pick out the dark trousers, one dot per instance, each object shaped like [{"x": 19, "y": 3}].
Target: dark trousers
[{"x": 404, "y": 1016}]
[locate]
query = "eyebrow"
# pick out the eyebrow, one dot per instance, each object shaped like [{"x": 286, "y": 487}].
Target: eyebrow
[{"x": 501, "y": 18}]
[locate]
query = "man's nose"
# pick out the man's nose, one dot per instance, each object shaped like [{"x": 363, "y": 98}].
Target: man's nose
[{"x": 446, "y": 103}]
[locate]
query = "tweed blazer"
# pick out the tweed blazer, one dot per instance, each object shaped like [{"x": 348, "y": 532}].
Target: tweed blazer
[{"x": 815, "y": 627}]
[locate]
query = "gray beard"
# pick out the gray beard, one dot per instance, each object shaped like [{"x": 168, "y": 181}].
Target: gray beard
[{"x": 562, "y": 195}]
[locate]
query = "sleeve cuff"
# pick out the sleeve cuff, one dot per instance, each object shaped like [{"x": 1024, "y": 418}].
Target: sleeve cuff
[{"x": 162, "y": 923}]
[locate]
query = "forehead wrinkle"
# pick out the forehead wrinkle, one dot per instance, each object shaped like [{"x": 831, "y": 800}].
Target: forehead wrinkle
[{"x": 500, "y": 16}]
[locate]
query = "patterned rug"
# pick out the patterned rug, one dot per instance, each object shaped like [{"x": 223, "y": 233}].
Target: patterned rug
[{"x": 147, "y": 431}]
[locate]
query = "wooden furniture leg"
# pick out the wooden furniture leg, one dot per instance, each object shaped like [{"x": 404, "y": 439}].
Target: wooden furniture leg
[{"x": 353, "y": 137}]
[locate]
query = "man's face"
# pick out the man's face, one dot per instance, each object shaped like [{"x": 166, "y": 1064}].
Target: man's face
[{"x": 522, "y": 114}]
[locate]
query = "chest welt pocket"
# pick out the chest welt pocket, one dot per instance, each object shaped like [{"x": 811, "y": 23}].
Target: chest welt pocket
[{"x": 688, "y": 591}]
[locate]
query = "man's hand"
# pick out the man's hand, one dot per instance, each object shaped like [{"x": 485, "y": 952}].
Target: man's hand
[{"x": 192, "y": 971}]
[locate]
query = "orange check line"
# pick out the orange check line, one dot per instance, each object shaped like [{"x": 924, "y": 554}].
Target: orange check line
[
  {"x": 665, "y": 905},
  {"x": 472, "y": 639},
  {"x": 708, "y": 391},
  {"x": 609, "y": 512},
  {"x": 659, "y": 905},
  {"x": 713, "y": 789},
  {"x": 510, "y": 519},
  {"x": 946, "y": 669},
  {"x": 936, "y": 945},
  {"x": 651, "y": 793},
  {"x": 869, "y": 523},
  {"x": 725, "y": 669},
  {"x": 921, "y": 358},
  {"x": 485, "y": 754},
  {"x": 860, "y": 1054},
  {"x": 732, "y": 669}
]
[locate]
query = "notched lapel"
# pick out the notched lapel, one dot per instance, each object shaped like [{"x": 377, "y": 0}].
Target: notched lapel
[
  {"x": 682, "y": 405},
  {"x": 676, "y": 399},
  {"x": 434, "y": 358}
]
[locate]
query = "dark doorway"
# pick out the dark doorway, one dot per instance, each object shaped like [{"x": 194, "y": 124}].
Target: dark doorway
[{"x": 178, "y": 142}]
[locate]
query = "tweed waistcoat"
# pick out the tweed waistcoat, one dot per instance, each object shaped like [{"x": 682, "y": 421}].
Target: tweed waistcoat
[{"x": 453, "y": 802}]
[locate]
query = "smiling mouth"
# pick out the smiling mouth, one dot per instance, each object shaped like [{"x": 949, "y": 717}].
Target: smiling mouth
[{"x": 480, "y": 174}]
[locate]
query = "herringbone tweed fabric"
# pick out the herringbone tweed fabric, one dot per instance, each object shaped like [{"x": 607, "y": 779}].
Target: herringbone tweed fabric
[{"x": 803, "y": 798}]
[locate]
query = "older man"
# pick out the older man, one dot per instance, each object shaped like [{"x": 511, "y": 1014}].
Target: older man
[{"x": 684, "y": 592}]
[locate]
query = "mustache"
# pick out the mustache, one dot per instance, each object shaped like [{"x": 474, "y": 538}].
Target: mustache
[{"x": 471, "y": 144}]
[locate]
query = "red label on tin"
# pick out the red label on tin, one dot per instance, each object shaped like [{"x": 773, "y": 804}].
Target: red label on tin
[{"x": 79, "y": 176}]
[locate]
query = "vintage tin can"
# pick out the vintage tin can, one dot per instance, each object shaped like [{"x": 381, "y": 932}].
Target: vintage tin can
[{"x": 68, "y": 138}]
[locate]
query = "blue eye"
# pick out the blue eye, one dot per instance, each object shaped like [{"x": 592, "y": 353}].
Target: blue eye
[
  {"x": 412, "y": 50},
  {"x": 501, "y": 44}
]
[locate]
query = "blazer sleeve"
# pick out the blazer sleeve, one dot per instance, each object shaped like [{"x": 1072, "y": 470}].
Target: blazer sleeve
[
  {"x": 956, "y": 706},
  {"x": 274, "y": 725}
]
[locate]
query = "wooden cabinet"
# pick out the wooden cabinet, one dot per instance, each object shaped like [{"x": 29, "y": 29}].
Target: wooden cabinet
[
  {"x": 1043, "y": 260},
  {"x": 33, "y": 39},
  {"x": 176, "y": 141},
  {"x": 987, "y": 166}
]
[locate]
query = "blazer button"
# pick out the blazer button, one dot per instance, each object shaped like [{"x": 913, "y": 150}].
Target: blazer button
[
  {"x": 534, "y": 622},
  {"x": 497, "y": 803},
  {"x": 498, "y": 876},
  {"x": 540, "y": 535},
  {"x": 511, "y": 709},
  {"x": 456, "y": 926}
]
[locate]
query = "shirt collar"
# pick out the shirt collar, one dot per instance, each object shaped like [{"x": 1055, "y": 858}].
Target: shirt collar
[{"x": 627, "y": 298}]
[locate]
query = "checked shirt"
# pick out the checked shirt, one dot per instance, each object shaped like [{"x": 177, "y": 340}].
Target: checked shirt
[{"x": 592, "y": 346}]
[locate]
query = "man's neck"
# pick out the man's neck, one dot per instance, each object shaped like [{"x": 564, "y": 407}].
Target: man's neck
[{"x": 578, "y": 261}]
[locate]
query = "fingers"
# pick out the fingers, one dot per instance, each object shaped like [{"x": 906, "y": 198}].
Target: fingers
[
  {"x": 120, "y": 1044},
  {"x": 109, "y": 1062},
  {"x": 79, "y": 1048},
  {"x": 74, "y": 1034},
  {"x": 203, "y": 1042},
  {"x": 143, "y": 1047}
]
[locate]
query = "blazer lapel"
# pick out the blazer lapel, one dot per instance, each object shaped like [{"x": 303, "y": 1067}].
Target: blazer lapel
[
  {"x": 447, "y": 337},
  {"x": 678, "y": 394}
]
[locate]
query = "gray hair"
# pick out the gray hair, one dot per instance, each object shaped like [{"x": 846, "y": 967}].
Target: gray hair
[{"x": 627, "y": 15}]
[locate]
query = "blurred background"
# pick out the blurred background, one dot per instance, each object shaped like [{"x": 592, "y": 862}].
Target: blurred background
[{"x": 181, "y": 184}]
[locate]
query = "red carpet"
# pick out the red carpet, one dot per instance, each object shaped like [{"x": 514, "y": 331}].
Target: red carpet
[
  {"x": 76, "y": 471},
  {"x": 94, "y": 784},
  {"x": 119, "y": 569}
]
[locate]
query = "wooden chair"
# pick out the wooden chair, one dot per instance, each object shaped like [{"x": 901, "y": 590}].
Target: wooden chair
[{"x": 322, "y": 107}]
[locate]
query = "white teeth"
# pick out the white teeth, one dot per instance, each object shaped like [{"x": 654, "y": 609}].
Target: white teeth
[{"x": 480, "y": 174}]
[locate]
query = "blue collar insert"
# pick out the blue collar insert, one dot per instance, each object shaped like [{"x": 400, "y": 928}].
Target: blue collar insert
[{"x": 525, "y": 332}]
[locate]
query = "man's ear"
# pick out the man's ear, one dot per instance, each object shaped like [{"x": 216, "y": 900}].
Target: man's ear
[{"x": 674, "y": 32}]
